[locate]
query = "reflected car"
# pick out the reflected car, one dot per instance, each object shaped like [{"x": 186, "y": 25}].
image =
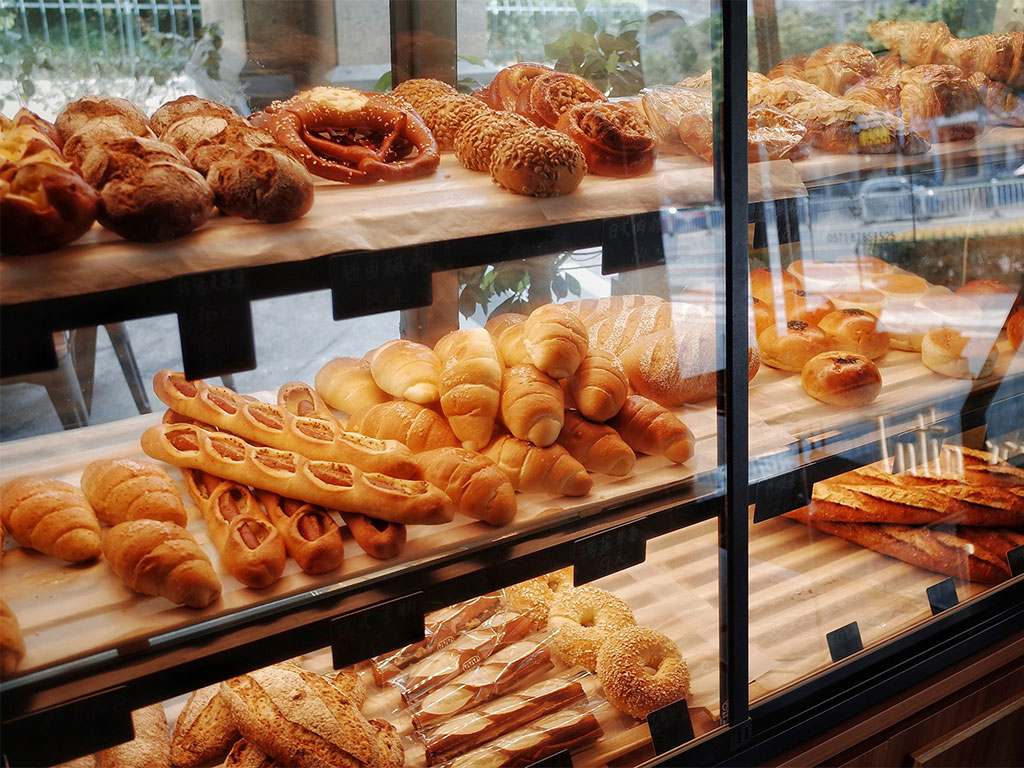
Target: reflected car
[{"x": 894, "y": 198}]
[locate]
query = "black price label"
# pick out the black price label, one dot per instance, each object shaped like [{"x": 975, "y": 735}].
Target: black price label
[
  {"x": 377, "y": 629},
  {"x": 942, "y": 596},
  {"x": 25, "y": 346},
  {"x": 558, "y": 760},
  {"x": 215, "y": 324},
  {"x": 670, "y": 726},
  {"x": 844, "y": 641},
  {"x": 84, "y": 725},
  {"x": 368, "y": 283},
  {"x": 601, "y": 554},
  {"x": 780, "y": 494},
  {"x": 1015, "y": 559},
  {"x": 631, "y": 242}
]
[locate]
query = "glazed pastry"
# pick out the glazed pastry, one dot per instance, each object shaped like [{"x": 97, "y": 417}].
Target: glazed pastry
[
  {"x": 51, "y": 517},
  {"x": 548, "y": 96},
  {"x": 792, "y": 67},
  {"x": 127, "y": 489},
  {"x": 835, "y": 68},
  {"x": 504, "y": 89},
  {"x": 615, "y": 139},
  {"x": 937, "y": 100}
]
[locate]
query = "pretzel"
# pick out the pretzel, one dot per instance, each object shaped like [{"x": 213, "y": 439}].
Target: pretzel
[
  {"x": 332, "y": 485},
  {"x": 351, "y": 136},
  {"x": 272, "y": 425}
]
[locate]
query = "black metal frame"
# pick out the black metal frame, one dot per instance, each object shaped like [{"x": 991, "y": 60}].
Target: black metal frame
[{"x": 749, "y": 734}]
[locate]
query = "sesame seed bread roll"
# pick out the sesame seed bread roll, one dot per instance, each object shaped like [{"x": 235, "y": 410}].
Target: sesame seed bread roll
[
  {"x": 532, "y": 405},
  {"x": 50, "y": 517},
  {"x": 507, "y": 332},
  {"x": 419, "y": 428},
  {"x": 599, "y": 386},
  {"x": 470, "y": 384},
  {"x": 151, "y": 747},
  {"x": 420, "y": 91},
  {"x": 543, "y": 470},
  {"x": 476, "y": 141},
  {"x": 444, "y": 117},
  {"x": 406, "y": 369},
  {"x": 346, "y": 384},
  {"x": 129, "y": 489},
  {"x": 556, "y": 340},
  {"x": 649, "y": 428},
  {"x": 597, "y": 447},
  {"x": 539, "y": 162}
]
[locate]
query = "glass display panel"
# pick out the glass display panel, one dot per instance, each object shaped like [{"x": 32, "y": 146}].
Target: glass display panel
[{"x": 886, "y": 302}]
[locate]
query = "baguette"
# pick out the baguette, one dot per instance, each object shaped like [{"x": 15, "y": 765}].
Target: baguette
[
  {"x": 477, "y": 487},
  {"x": 498, "y": 631},
  {"x": 125, "y": 489},
  {"x": 12, "y": 645},
  {"x": 413, "y": 425},
  {"x": 345, "y": 384},
  {"x": 532, "y": 405},
  {"x": 494, "y": 677},
  {"x": 471, "y": 729},
  {"x": 470, "y": 384},
  {"x": 914, "y": 505},
  {"x": 245, "y": 755},
  {"x": 565, "y": 729},
  {"x": 275, "y": 427},
  {"x": 310, "y": 535},
  {"x": 155, "y": 558},
  {"x": 406, "y": 369},
  {"x": 204, "y": 730},
  {"x": 332, "y": 485},
  {"x": 507, "y": 332},
  {"x": 151, "y": 747},
  {"x": 649, "y": 428},
  {"x": 543, "y": 470},
  {"x": 377, "y": 538},
  {"x": 556, "y": 340},
  {"x": 299, "y": 719},
  {"x": 439, "y": 628},
  {"x": 998, "y": 541},
  {"x": 599, "y": 386},
  {"x": 50, "y": 517},
  {"x": 300, "y": 399},
  {"x": 929, "y": 549},
  {"x": 597, "y": 447},
  {"x": 250, "y": 547}
]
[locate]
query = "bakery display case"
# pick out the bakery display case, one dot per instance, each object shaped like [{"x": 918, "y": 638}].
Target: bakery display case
[{"x": 553, "y": 386}]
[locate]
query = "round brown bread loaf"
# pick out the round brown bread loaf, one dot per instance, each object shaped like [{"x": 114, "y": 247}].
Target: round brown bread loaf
[
  {"x": 125, "y": 157},
  {"x": 538, "y": 162},
  {"x": 187, "y": 106},
  {"x": 1015, "y": 328},
  {"x": 156, "y": 203},
  {"x": 952, "y": 353},
  {"x": 854, "y": 330},
  {"x": 261, "y": 184},
  {"x": 90, "y": 107},
  {"x": 98, "y": 133},
  {"x": 790, "y": 350},
  {"x": 841, "y": 378}
]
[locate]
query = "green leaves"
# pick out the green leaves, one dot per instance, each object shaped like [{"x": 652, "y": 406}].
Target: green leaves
[
  {"x": 518, "y": 286},
  {"x": 610, "y": 62}
]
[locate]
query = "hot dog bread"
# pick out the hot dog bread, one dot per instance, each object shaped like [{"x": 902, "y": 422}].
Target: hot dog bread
[
  {"x": 310, "y": 535},
  {"x": 378, "y": 538},
  {"x": 274, "y": 426},
  {"x": 332, "y": 485},
  {"x": 250, "y": 547}
]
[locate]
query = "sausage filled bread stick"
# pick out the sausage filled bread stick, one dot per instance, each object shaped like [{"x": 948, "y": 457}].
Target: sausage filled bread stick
[
  {"x": 274, "y": 426},
  {"x": 310, "y": 534},
  {"x": 250, "y": 547},
  {"x": 332, "y": 485}
]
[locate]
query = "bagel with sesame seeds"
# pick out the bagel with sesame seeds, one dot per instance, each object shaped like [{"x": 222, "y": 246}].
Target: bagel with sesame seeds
[{"x": 641, "y": 670}]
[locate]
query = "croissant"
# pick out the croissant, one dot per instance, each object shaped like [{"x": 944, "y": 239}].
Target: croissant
[
  {"x": 890, "y": 63},
  {"x": 556, "y": 340},
  {"x": 532, "y": 405},
  {"x": 51, "y": 517},
  {"x": 999, "y": 57},
  {"x": 596, "y": 446},
  {"x": 507, "y": 332},
  {"x": 12, "y": 645},
  {"x": 937, "y": 100},
  {"x": 471, "y": 371},
  {"x": 650, "y": 428},
  {"x": 155, "y": 558},
  {"x": 846, "y": 126},
  {"x": 1003, "y": 105},
  {"x": 345, "y": 383},
  {"x": 419, "y": 428},
  {"x": 478, "y": 487},
  {"x": 916, "y": 42},
  {"x": 782, "y": 91},
  {"x": 406, "y": 369},
  {"x": 544, "y": 470},
  {"x": 792, "y": 67},
  {"x": 599, "y": 386},
  {"x": 837, "y": 67},
  {"x": 881, "y": 92},
  {"x": 129, "y": 489}
]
